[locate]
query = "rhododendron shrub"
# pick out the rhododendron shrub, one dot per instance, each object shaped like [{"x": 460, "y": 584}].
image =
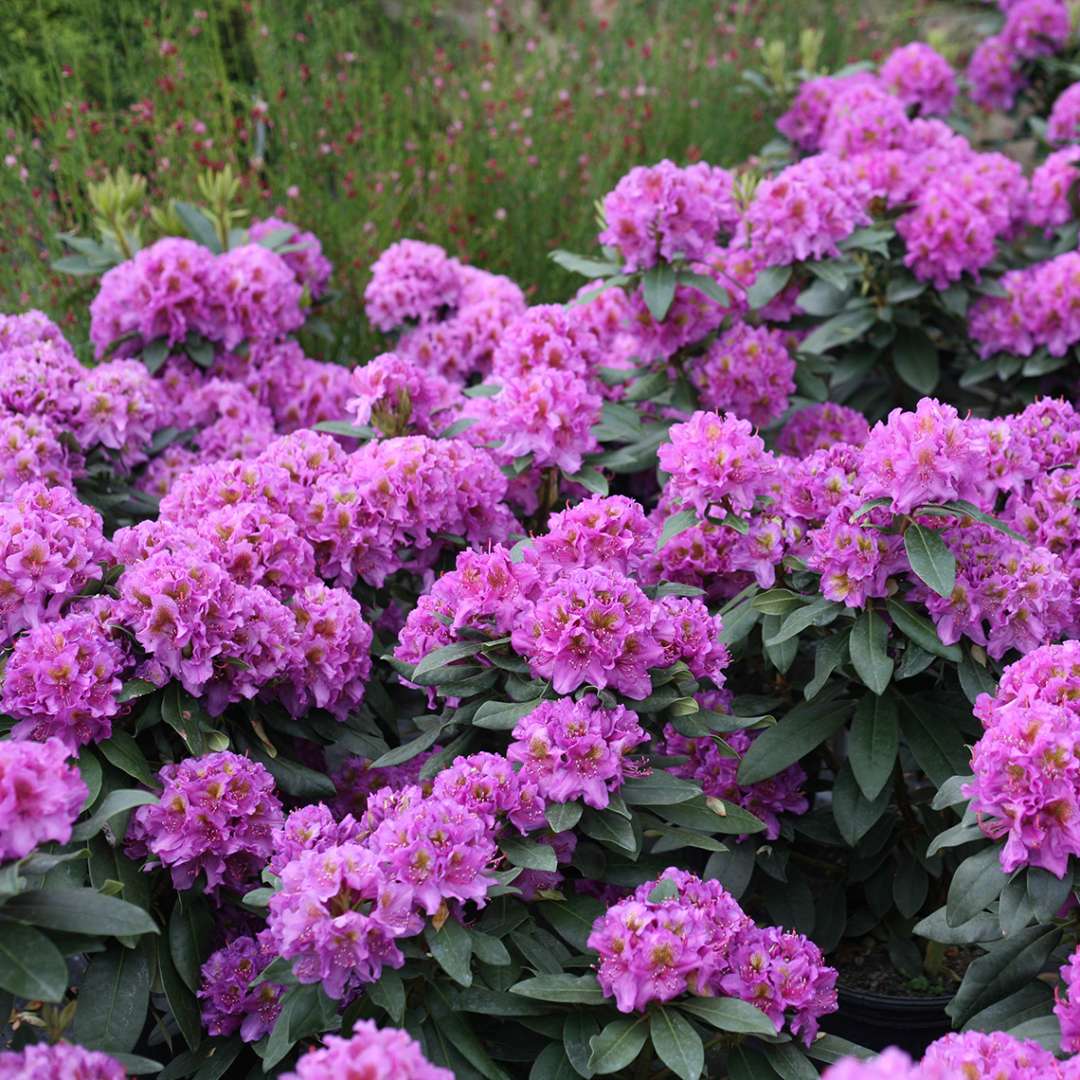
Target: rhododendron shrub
[{"x": 565, "y": 688}]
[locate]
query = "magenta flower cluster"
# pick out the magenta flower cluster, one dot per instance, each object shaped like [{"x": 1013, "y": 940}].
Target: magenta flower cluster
[
  {"x": 372, "y": 1053},
  {"x": 680, "y": 935},
  {"x": 59, "y": 1061}
]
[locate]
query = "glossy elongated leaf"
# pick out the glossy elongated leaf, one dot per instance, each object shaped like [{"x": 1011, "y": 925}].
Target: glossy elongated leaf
[
  {"x": 977, "y": 882},
  {"x": 451, "y": 947},
  {"x": 30, "y": 964},
  {"x": 935, "y": 927},
  {"x": 116, "y": 802},
  {"x": 478, "y": 999},
  {"x": 182, "y": 1003},
  {"x": 80, "y": 911},
  {"x": 930, "y": 558},
  {"x": 729, "y": 1014},
  {"x": 190, "y": 935},
  {"x": 562, "y": 817},
  {"x": 916, "y": 360},
  {"x": 553, "y": 1064},
  {"x": 618, "y": 1045},
  {"x": 407, "y": 751},
  {"x": 676, "y": 1043},
  {"x": 573, "y": 918},
  {"x": 442, "y": 657},
  {"x": 804, "y": 728},
  {"x": 658, "y": 287},
  {"x": 936, "y": 742},
  {"x": 583, "y": 264},
  {"x": 789, "y": 1061},
  {"x": 561, "y": 989},
  {"x": 867, "y": 645},
  {"x": 839, "y": 330},
  {"x": 746, "y": 1063},
  {"x": 659, "y": 789},
  {"x": 854, "y": 814},
  {"x": 1009, "y": 965},
  {"x": 767, "y": 284},
  {"x": 830, "y": 653},
  {"x": 113, "y": 998},
  {"x": 503, "y": 715},
  {"x": 123, "y": 751},
  {"x": 199, "y": 227},
  {"x": 820, "y": 613},
  {"x": 579, "y": 1029},
  {"x": 873, "y": 742},
  {"x": 388, "y": 992},
  {"x": 529, "y": 855},
  {"x": 675, "y": 524},
  {"x": 921, "y": 630}
]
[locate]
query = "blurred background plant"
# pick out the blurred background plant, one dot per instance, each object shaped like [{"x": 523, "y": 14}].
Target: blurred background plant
[{"x": 478, "y": 127}]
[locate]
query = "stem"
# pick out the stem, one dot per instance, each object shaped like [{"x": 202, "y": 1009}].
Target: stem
[
  {"x": 902, "y": 799},
  {"x": 934, "y": 959}
]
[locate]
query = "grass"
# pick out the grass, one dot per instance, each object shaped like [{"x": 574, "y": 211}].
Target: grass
[{"x": 366, "y": 121}]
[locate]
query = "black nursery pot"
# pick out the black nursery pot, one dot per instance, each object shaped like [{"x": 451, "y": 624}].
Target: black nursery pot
[{"x": 877, "y": 1020}]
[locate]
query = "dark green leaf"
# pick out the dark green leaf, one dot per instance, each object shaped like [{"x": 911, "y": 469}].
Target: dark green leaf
[
  {"x": 579, "y": 1029},
  {"x": 589, "y": 478},
  {"x": 123, "y": 751},
  {"x": 610, "y": 829},
  {"x": 978, "y": 881},
  {"x": 561, "y": 989},
  {"x": 116, "y": 802},
  {"x": 729, "y": 1014},
  {"x": 503, "y": 715},
  {"x": 931, "y": 560},
  {"x": 562, "y": 817},
  {"x": 113, "y": 999},
  {"x": 916, "y": 360},
  {"x": 935, "y": 927},
  {"x": 582, "y": 264},
  {"x": 789, "y": 1061},
  {"x": 658, "y": 789},
  {"x": 388, "y": 992},
  {"x": 199, "y": 227},
  {"x": 936, "y": 742},
  {"x": 867, "y": 644},
  {"x": 676, "y": 1043},
  {"x": 675, "y": 524},
  {"x": 839, "y": 330},
  {"x": 407, "y": 751},
  {"x": 804, "y": 728},
  {"x": 855, "y": 815},
  {"x": 920, "y": 630},
  {"x": 873, "y": 742},
  {"x": 181, "y": 999},
  {"x": 30, "y": 964},
  {"x": 135, "y": 688},
  {"x": 526, "y": 854},
  {"x": 768, "y": 284},
  {"x": 746, "y": 1063},
  {"x": 190, "y": 933},
  {"x": 552, "y": 1064},
  {"x": 975, "y": 679},
  {"x": 349, "y": 431},
  {"x": 573, "y": 918},
  {"x": 658, "y": 287},
  {"x": 618, "y": 1045},
  {"x": 830, "y": 653},
  {"x": 451, "y": 947},
  {"x": 81, "y": 911},
  {"x": 136, "y": 1065}
]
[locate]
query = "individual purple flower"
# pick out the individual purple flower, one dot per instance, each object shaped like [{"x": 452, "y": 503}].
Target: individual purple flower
[
  {"x": 855, "y": 560},
  {"x": 783, "y": 974},
  {"x": 255, "y": 296},
  {"x": 927, "y": 456},
  {"x": 1063, "y": 124},
  {"x": 411, "y": 282},
  {"x": 59, "y": 1061},
  {"x": 715, "y": 769},
  {"x": 30, "y": 450},
  {"x": 337, "y": 917},
  {"x": 1036, "y": 28},
  {"x": 994, "y": 74},
  {"x": 164, "y": 292},
  {"x": 51, "y": 545},
  {"x": 229, "y": 1002},
  {"x": 590, "y": 627},
  {"x": 922, "y": 77},
  {"x": 663, "y": 212},
  {"x": 305, "y": 257},
  {"x": 63, "y": 677},
  {"x": 717, "y": 465},
  {"x": 398, "y": 397},
  {"x": 577, "y": 749},
  {"x": 747, "y": 371},
  {"x": 819, "y": 426},
  {"x": 438, "y": 849},
  {"x": 41, "y": 795},
  {"x": 216, "y": 816},
  {"x": 371, "y": 1054},
  {"x": 804, "y": 121}
]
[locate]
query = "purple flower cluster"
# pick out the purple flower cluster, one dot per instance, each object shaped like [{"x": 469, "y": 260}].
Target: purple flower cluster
[
  {"x": 411, "y": 282},
  {"x": 1067, "y": 1007},
  {"x": 63, "y": 677},
  {"x": 58, "y": 1061},
  {"x": 747, "y": 372},
  {"x": 920, "y": 77},
  {"x": 695, "y": 938},
  {"x": 972, "y": 1055},
  {"x": 215, "y": 817},
  {"x": 41, "y": 795},
  {"x": 176, "y": 288},
  {"x": 51, "y": 545},
  {"x": 304, "y": 255},
  {"x": 576, "y": 749},
  {"x": 229, "y": 1001},
  {"x": 1063, "y": 124},
  {"x": 818, "y": 427},
  {"x": 663, "y": 213},
  {"x": 1027, "y": 774},
  {"x": 371, "y": 1054},
  {"x": 399, "y": 397}
]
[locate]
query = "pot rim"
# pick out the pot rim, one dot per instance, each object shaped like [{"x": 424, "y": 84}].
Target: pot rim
[{"x": 935, "y": 1001}]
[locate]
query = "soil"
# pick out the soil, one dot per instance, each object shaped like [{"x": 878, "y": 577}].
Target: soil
[{"x": 867, "y": 966}]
